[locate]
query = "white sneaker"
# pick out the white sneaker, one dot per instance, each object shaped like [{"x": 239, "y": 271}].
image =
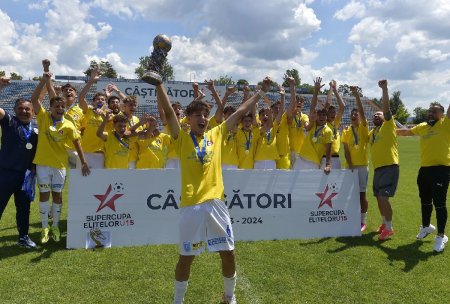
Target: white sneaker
[
  {"x": 424, "y": 231},
  {"x": 440, "y": 243},
  {"x": 226, "y": 300}
]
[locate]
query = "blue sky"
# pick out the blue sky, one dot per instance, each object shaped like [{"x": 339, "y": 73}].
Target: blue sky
[{"x": 354, "y": 42}]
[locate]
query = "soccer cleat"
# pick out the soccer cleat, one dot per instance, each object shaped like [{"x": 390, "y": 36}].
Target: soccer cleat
[
  {"x": 381, "y": 228},
  {"x": 385, "y": 234},
  {"x": 440, "y": 242},
  {"x": 363, "y": 227},
  {"x": 56, "y": 235},
  {"x": 44, "y": 235},
  {"x": 227, "y": 300},
  {"x": 424, "y": 231},
  {"x": 26, "y": 242}
]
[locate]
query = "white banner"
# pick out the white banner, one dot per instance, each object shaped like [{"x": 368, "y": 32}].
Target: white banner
[
  {"x": 181, "y": 92},
  {"x": 139, "y": 207}
]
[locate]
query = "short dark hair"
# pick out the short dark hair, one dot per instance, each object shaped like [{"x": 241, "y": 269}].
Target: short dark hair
[
  {"x": 176, "y": 103},
  {"x": 120, "y": 118},
  {"x": 19, "y": 101},
  {"x": 275, "y": 104},
  {"x": 68, "y": 85},
  {"x": 56, "y": 99},
  {"x": 320, "y": 111},
  {"x": 197, "y": 106},
  {"x": 229, "y": 109},
  {"x": 261, "y": 111},
  {"x": 354, "y": 110},
  {"x": 113, "y": 97},
  {"x": 331, "y": 108},
  {"x": 437, "y": 105}
]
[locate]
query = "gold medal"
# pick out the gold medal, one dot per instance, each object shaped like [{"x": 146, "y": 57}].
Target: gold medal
[
  {"x": 356, "y": 147},
  {"x": 247, "y": 152},
  {"x": 29, "y": 146},
  {"x": 314, "y": 139},
  {"x": 52, "y": 128}
]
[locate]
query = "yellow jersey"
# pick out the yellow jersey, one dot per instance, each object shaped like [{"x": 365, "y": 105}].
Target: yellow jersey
[
  {"x": 266, "y": 146},
  {"x": 153, "y": 152},
  {"x": 116, "y": 151},
  {"x": 336, "y": 138},
  {"x": 52, "y": 138},
  {"x": 229, "y": 149},
  {"x": 200, "y": 164},
  {"x": 212, "y": 123},
  {"x": 357, "y": 140},
  {"x": 297, "y": 132},
  {"x": 314, "y": 146},
  {"x": 75, "y": 115},
  {"x": 434, "y": 143},
  {"x": 283, "y": 136},
  {"x": 246, "y": 143},
  {"x": 383, "y": 144},
  {"x": 90, "y": 142}
]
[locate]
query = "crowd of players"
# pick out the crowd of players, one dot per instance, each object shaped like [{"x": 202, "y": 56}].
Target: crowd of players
[{"x": 105, "y": 133}]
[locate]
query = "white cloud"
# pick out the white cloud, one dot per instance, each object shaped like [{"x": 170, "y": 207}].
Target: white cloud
[
  {"x": 351, "y": 10},
  {"x": 323, "y": 42},
  {"x": 369, "y": 31}
]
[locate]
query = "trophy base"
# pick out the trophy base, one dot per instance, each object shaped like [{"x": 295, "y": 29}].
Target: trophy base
[{"x": 152, "y": 78}]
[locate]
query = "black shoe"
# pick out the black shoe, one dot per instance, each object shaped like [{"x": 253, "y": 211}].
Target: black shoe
[{"x": 26, "y": 242}]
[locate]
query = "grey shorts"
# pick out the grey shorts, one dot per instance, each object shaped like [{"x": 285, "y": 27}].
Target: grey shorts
[{"x": 385, "y": 180}]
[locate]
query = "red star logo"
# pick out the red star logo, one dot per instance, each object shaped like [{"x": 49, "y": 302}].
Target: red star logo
[
  {"x": 110, "y": 202},
  {"x": 324, "y": 199}
]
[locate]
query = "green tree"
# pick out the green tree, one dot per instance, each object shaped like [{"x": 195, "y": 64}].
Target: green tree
[
  {"x": 224, "y": 80},
  {"x": 166, "y": 72},
  {"x": 2, "y": 74},
  {"x": 344, "y": 90},
  {"x": 398, "y": 108},
  {"x": 36, "y": 78},
  {"x": 294, "y": 74},
  {"x": 105, "y": 69},
  {"x": 15, "y": 76},
  {"x": 242, "y": 82},
  {"x": 420, "y": 115}
]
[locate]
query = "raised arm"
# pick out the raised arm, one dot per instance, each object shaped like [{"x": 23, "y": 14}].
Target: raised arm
[
  {"x": 35, "y": 98},
  {"x": 248, "y": 104},
  {"x": 4, "y": 81},
  {"x": 172, "y": 121},
  {"x": 113, "y": 88},
  {"x": 219, "y": 111},
  {"x": 362, "y": 116},
  {"x": 317, "y": 87},
  {"x": 49, "y": 85},
  {"x": 340, "y": 101},
  {"x": 101, "y": 129},
  {"x": 290, "y": 112},
  {"x": 386, "y": 109},
  {"x": 282, "y": 101},
  {"x": 82, "y": 97}
]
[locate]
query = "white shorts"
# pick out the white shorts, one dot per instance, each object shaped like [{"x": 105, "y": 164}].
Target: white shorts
[
  {"x": 363, "y": 175},
  {"x": 49, "y": 178},
  {"x": 229, "y": 167},
  {"x": 205, "y": 224},
  {"x": 265, "y": 164},
  {"x": 335, "y": 162},
  {"x": 94, "y": 160},
  {"x": 173, "y": 163},
  {"x": 301, "y": 163}
]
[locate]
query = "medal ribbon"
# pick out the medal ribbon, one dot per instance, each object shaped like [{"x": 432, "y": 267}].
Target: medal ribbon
[
  {"x": 125, "y": 144},
  {"x": 27, "y": 132},
  {"x": 248, "y": 139},
  {"x": 55, "y": 122},
  {"x": 298, "y": 123},
  {"x": 268, "y": 137},
  {"x": 316, "y": 132},
  {"x": 374, "y": 133},
  {"x": 200, "y": 153},
  {"x": 355, "y": 136}
]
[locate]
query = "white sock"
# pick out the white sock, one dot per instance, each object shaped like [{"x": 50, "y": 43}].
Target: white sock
[
  {"x": 44, "y": 208},
  {"x": 180, "y": 291},
  {"x": 56, "y": 213},
  {"x": 229, "y": 286},
  {"x": 363, "y": 218},
  {"x": 388, "y": 225},
  {"x": 384, "y": 219}
]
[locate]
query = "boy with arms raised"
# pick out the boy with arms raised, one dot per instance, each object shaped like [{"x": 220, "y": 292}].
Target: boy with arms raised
[
  {"x": 51, "y": 157},
  {"x": 204, "y": 218}
]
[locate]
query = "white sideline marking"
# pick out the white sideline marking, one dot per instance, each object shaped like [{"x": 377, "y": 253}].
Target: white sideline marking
[{"x": 244, "y": 284}]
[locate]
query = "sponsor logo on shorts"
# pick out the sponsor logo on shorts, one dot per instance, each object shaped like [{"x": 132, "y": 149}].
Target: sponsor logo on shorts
[
  {"x": 219, "y": 240},
  {"x": 198, "y": 245}
]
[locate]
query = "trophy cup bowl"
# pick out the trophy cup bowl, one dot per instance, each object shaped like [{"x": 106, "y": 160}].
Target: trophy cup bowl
[{"x": 161, "y": 46}]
